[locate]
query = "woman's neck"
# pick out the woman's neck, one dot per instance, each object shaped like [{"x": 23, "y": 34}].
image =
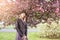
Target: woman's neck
[{"x": 23, "y": 19}]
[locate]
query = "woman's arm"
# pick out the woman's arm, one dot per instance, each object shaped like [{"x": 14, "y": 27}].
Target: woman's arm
[{"x": 24, "y": 19}]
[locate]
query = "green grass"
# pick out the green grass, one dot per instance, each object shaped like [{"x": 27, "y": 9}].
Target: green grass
[
  {"x": 7, "y": 36},
  {"x": 35, "y": 36},
  {"x": 31, "y": 36}
]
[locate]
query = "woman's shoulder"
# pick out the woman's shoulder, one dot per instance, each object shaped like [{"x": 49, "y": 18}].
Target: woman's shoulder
[{"x": 17, "y": 19}]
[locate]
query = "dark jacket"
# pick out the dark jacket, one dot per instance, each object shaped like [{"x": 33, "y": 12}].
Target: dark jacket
[{"x": 21, "y": 27}]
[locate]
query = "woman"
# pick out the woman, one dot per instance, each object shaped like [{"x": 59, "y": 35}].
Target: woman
[{"x": 21, "y": 27}]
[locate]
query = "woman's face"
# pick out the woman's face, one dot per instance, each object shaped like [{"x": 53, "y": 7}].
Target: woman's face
[{"x": 22, "y": 15}]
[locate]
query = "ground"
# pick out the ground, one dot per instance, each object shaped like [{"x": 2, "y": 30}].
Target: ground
[
  {"x": 32, "y": 34},
  {"x": 12, "y": 35}
]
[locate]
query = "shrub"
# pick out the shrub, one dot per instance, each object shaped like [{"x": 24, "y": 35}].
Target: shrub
[{"x": 51, "y": 30}]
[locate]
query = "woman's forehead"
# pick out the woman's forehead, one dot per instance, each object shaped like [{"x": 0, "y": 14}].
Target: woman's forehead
[{"x": 22, "y": 13}]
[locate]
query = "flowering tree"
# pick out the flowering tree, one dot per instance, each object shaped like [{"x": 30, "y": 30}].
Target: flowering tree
[
  {"x": 9, "y": 9},
  {"x": 36, "y": 10},
  {"x": 43, "y": 10}
]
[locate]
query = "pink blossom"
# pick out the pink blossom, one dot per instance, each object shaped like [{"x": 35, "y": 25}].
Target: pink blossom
[{"x": 57, "y": 10}]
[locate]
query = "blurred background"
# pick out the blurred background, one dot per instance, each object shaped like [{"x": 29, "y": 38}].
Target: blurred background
[{"x": 43, "y": 18}]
